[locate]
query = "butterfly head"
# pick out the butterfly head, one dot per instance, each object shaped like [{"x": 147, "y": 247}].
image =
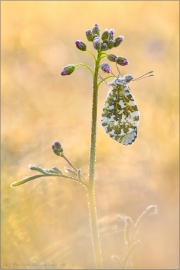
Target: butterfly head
[
  {"x": 121, "y": 80},
  {"x": 128, "y": 78}
]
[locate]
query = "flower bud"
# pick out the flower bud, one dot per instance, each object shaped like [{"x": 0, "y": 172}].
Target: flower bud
[
  {"x": 67, "y": 70},
  {"x": 105, "y": 67},
  {"x": 105, "y": 34},
  {"x": 80, "y": 45},
  {"x": 122, "y": 61},
  {"x": 118, "y": 41},
  {"x": 112, "y": 57},
  {"x": 111, "y": 34},
  {"x": 106, "y": 41},
  {"x": 104, "y": 47},
  {"x": 110, "y": 44},
  {"x": 57, "y": 149},
  {"x": 89, "y": 35},
  {"x": 95, "y": 36},
  {"x": 97, "y": 43},
  {"x": 96, "y": 30}
]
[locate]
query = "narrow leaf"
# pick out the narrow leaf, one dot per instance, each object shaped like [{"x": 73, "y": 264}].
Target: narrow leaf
[
  {"x": 128, "y": 228},
  {"x": 70, "y": 171},
  {"x": 57, "y": 170},
  {"x": 27, "y": 179},
  {"x": 130, "y": 252},
  {"x": 36, "y": 168},
  {"x": 150, "y": 210}
]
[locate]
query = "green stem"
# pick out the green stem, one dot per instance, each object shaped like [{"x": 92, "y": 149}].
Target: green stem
[
  {"x": 84, "y": 65},
  {"x": 94, "y": 123},
  {"x": 104, "y": 80},
  {"x": 129, "y": 253},
  {"x": 94, "y": 228},
  {"x": 92, "y": 159},
  {"x": 91, "y": 54},
  {"x": 67, "y": 160},
  {"x": 74, "y": 168}
]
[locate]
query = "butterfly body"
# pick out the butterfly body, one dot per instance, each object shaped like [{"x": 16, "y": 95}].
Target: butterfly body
[{"x": 120, "y": 115}]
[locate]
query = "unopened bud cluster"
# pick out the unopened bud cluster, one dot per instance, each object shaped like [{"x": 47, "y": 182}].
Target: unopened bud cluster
[
  {"x": 105, "y": 41},
  {"x": 101, "y": 42}
]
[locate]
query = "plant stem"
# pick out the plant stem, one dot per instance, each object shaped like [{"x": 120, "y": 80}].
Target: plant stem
[
  {"x": 92, "y": 160},
  {"x": 129, "y": 253},
  {"x": 67, "y": 160},
  {"x": 94, "y": 228},
  {"x": 84, "y": 65}
]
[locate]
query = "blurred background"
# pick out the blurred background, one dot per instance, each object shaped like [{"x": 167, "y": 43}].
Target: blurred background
[{"x": 45, "y": 223}]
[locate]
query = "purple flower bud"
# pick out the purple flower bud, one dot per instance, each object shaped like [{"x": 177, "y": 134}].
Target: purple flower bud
[
  {"x": 96, "y": 30},
  {"x": 111, "y": 34},
  {"x": 80, "y": 45},
  {"x": 97, "y": 43},
  {"x": 110, "y": 44},
  {"x": 112, "y": 57},
  {"x": 105, "y": 34},
  {"x": 106, "y": 41},
  {"x": 57, "y": 148},
  {"x": 122, "y": 61},
  {"x": 89, "y": 35},
  {"x": 105, "y": 67},
  {"x": 104, "y": 47},
  {"x": 67, "y": 70},
  {"x": 95, "y": 36},
  {"x": 118, "y": 41},
  {"x": 125, "y": 62}
]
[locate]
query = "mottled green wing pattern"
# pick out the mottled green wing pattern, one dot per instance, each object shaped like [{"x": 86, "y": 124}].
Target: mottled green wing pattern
[{"x": 120, "y": 115}]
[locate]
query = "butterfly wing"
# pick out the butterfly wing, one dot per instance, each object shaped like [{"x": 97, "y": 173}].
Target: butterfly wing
[{"x": 120, "y": 115}]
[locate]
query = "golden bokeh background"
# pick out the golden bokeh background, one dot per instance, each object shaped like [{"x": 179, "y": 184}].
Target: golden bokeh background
[{"x": 46, "y": 221}]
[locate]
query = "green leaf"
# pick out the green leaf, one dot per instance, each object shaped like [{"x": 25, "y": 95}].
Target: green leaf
[
  {"x": 27, "y": 179},
  {"x": 150, "y": 210},
  {"x": 57, "y": 170},
  {"x": 37, "y": 168},
  {"x": 70, "y": 171}
]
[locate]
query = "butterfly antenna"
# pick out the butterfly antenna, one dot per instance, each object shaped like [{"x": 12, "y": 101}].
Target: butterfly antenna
[
  {"x": 144, "y": 76},
  {"x": 114, "y": 75},
  {"x": 102, "y": 79},
  {"x": 118, "y": 71}
]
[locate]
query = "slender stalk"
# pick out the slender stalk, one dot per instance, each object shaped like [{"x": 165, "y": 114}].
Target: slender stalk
[
  {"x": 91, "y": 54},
  {"x": 94, "y": 228},
  {"x": 84, "y": 65},
  {"x": 92, "y": 157},
  {"x": 129, "y": 253},
  {"x": 74, "y": 168},
  {"x": 92, "y": 160}
]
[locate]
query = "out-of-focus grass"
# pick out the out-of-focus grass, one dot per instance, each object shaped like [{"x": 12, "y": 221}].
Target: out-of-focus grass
[{"x": 46, "y": 221}]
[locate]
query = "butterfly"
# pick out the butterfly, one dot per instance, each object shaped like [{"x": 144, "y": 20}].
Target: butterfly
[{"x": 120, "y": 115}]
